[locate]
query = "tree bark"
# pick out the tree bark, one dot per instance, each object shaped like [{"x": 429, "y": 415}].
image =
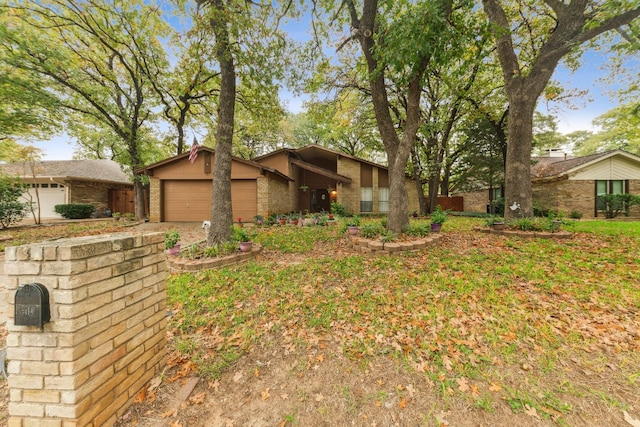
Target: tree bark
[
  {"x": 524, "y": 89},
  {"x": 221, "y": 212}
]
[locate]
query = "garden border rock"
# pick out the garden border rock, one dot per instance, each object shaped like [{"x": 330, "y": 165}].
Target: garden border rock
[
  {"x": 178, "y": 264},
  {"x": 378, "y": 247}
]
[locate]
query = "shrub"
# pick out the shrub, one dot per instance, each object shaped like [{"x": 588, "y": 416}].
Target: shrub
[
  {"x": 75, "y": 210},
  {"x": 338, "y": 209},
  {"x": 171, "y": 239},
  {"x": 575, "y": 215},
  {"x": 11, "y": 209},
  {"x": 419, "y": 229},
  {"x": 371, "y": 230},
  {"x": 613, "y": 204}
]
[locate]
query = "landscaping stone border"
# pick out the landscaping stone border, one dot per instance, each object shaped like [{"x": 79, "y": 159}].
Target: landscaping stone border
[
  {"x": 527, "y": 234},
  {"x": 178, "y": 264},
  {"x": 377, "y": 247}
]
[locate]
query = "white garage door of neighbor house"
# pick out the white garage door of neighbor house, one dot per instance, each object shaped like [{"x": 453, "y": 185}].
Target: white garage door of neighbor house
[
  {"x": 190, "y": 201},
  {"x": 50, "y": 195}
]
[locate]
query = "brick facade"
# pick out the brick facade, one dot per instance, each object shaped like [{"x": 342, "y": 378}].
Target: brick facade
[{"x": 106, "y": 338}]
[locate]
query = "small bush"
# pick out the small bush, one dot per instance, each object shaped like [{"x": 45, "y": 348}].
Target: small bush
[
  {"x": 575, "y": 215},
  {"x": 419, "y": 229},
  {"x": 11, "y": 209},
  {"x": 75, "y": 210},
  {"x": 338, "y": 209},
  {"x": 371, "y": 230}
]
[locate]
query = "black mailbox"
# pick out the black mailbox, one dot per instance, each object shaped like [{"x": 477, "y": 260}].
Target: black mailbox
[{"x": 32, "y": 305}]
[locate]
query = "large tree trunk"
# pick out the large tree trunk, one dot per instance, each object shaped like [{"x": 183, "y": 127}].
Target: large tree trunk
[
  {"x": 221, "y": 213},
  {"x": 398, "y": 150},
  {"x": 523, "y": 88},
  {"x": 518, "y": 200}
]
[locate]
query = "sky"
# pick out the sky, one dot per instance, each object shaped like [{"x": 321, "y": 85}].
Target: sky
[{"x": 588, "y": 108}]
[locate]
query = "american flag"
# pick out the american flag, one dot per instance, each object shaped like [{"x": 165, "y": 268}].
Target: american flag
[{"x": 193, "y": 153}]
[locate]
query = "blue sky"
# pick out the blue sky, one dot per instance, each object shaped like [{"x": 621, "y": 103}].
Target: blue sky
[{"x": 586, "y": 109}]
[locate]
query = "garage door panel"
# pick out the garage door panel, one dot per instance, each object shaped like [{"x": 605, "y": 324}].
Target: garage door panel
[
  {"x": 244, "y": 201},
  {"x": 190, "y": 200},
  {"x": 186, "y": 201}
]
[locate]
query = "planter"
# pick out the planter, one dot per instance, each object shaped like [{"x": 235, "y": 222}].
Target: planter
[
  {"x": 245, "y": 246},
  {"x": 353, "y": 230},
  {"x": 435, "y": 227},
  {"x": 282, "y": 221},
  {"x": 498, "y": 225},
  {"x": 174, "y": 250}
]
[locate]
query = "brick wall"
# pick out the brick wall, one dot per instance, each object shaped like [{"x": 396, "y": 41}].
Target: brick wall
[
  {"x": 349, "y": 194},
  {"x": 106, "y": 338},
  {"x": 154, "y": 199}
]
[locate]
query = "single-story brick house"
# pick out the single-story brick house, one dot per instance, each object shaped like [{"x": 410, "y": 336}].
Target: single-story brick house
[
  {"x": 572, "y": 184},
  {"x": 101, "y": 183},
  {"x": 303, "y": 179}
]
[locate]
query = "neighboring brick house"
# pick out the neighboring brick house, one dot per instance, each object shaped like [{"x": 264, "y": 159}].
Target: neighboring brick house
[
  {"x": 101, "y": 183},
  {"x": 572, "y": 184},
  {"x": 303, "y": 180}
]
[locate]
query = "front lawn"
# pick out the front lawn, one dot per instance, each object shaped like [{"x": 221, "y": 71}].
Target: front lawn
[{"x": 481, "y": 327}]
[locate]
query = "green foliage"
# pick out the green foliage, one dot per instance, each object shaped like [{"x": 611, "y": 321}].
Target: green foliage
[
  {"x": 338, "y": 209},
  {"x": 614, "y": 204},
  {"x": 11, "y": 209},
  {"x": 75, "y": 210},
  {"x": 575, "y": 215},
  {"x": 371, "y": 230},
  {"x": 240, "y": 234},
  {"x": 352, "y": 221},
  {"x": 171, "y": 238},
  {"x": 418, "y": 228},
  {"x": 438, "y": 216}
]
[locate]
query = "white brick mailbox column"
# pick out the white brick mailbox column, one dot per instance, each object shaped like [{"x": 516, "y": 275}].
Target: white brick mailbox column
[{"x": 106, "y": 338}]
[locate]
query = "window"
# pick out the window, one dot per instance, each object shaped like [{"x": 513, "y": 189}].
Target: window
[
  {"x": 604, "y": 187},
  {"x": 44, "y": 185},
  {"x": 496, "y": 193},
  {"x": 366, "y": 199},
  {"x": 383, "y": 199}
]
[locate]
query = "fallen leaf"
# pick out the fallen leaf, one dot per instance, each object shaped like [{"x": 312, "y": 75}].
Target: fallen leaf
[
  {"x": 198, "y": 398},
  {"x": 265, "y": 394},
  {"x": 141, "y": 396},
  {"x": 320, "y": 358},
  {"x": 256, "y": 373},
  {"x": 238, "y": 376},
  {"x": 474, "y": 390},
  {"x": 318, "y": 397},
  {"x": 494, "y": 387},
  {"x": 411, "y": 390},
  {"x": 403, "y": 403},
  {"x": 169, "y": 413},
  {"x": 284, "y": 396},
  {"x": 155, "y": 383},
  {"x": 531, "y": 411},
  {"x": 462, "y": 384},
  {"x": 175, "y": 424}
]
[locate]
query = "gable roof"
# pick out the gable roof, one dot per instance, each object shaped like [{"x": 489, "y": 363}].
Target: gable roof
[
  {"x": 545, "y": 169},
  {"x": 85, "y": 170},
  {"x": 201, "y": 149},
  {"x": 314, "y": 150}
]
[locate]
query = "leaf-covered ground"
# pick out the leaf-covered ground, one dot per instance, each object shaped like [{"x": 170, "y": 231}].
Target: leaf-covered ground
[{"x": 481, "y": 330}]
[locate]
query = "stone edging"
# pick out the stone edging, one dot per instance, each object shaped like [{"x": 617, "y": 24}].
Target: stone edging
[
  {"x": 527, "y": 234},
  {"x": 178, "y": 264},
  {"x": 376, "y": 247}
]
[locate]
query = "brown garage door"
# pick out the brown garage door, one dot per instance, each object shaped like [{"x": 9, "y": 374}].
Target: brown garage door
[
  {"x": 186, "y": 201},
  {"x": 190, "y": 201},
  {"x": 244, "y": 200}
]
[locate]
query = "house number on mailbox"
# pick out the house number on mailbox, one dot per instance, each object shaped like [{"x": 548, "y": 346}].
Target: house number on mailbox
[{"x": 32, "y": 305}]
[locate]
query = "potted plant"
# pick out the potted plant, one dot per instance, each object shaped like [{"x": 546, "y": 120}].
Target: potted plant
[
  {"x": 240, "y": 222},
  {"x": 171, "y": 242},
  {"x": 116, "y": 216},
  {"x": 258, "y": 219},
  {"x": 242, "y": 237},
  {"x": 353, "y": 224},
  {"x": 438, "y": 217},
  {"x": 282, "y": 220}
]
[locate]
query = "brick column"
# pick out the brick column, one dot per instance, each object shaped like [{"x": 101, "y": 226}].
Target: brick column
[{"x": 106, "y": 338}]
